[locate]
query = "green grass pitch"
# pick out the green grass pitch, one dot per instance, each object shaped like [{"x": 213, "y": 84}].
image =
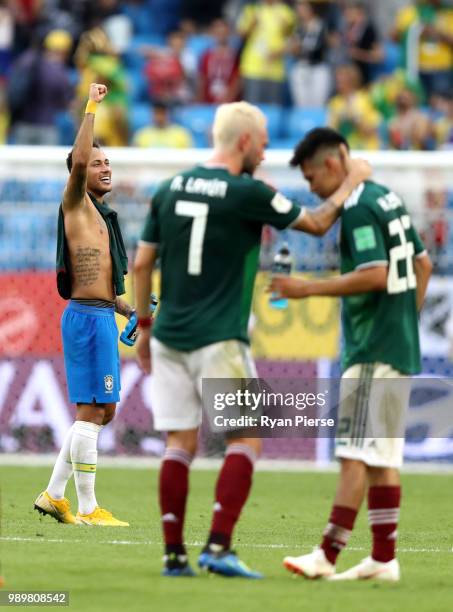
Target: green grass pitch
[{"x": 108, "y": 569}]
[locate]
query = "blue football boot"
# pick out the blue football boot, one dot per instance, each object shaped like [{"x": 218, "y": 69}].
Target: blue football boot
[{"x": 226, "y": 563}]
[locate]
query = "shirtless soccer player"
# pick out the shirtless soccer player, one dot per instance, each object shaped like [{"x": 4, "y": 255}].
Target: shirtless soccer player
[{"x": 91, "y": 263}]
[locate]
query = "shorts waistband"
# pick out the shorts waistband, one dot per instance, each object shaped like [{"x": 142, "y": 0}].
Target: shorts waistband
[{"x": 92, "y": 310}]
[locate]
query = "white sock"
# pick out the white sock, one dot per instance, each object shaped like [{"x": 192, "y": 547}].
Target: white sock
[
  {"x": 84, "y": 456},
  {"x": 62, "y": 470}
]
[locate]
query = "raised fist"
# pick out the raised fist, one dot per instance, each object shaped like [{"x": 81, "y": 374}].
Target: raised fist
[{"x": 98, "y": 91}]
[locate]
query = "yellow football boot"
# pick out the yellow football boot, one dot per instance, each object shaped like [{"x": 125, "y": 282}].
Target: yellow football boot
[
  {"x": 59, "y": 509},
  {"x": 100, "y": 518}
]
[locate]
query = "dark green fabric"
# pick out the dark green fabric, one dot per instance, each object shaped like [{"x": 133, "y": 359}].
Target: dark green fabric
[
  {"x": 208, "y": 269},
  {"x": 380, "y": 326},
  {"x": 117, "y": 251}
]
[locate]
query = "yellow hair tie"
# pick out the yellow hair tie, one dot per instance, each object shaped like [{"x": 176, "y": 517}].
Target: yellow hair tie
[{"x": 91, "y": 107}]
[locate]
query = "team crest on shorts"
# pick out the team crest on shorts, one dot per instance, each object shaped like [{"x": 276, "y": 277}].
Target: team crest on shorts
[{"x": 108, "y": 382}]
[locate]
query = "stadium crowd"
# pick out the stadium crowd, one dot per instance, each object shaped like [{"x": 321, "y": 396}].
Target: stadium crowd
[{"x": 167, "y": 63}]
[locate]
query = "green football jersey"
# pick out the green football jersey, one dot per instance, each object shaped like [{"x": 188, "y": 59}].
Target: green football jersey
[
  {"x": 380, "y": 326},
  {"x": 207, "y": 224}
]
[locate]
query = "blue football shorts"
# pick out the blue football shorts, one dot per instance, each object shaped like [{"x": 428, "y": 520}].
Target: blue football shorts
[{"x": 91, "y": 356}]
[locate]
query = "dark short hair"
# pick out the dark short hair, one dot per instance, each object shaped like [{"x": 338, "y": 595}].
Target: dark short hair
[
  {"x": 160, "y": 105},
  {"x": 314, "y": 141},
  {"x": 313, "y": 4},
  {"x": 96, "y": 145}
]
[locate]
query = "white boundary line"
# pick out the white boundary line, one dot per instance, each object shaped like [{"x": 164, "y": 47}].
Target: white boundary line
[
  {"x": 203, "y": 463},
  {"x": 40, "y": 540}
]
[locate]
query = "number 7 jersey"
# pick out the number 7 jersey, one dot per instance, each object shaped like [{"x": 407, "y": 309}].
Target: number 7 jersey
[
  {"x": 380, "y": 326},
  {"x": 207, "y": 224}
]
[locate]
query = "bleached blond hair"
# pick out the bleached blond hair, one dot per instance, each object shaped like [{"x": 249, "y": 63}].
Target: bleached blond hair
[{"x": 234, "y": 119}]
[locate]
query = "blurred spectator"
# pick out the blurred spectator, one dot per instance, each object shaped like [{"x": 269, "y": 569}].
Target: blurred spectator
[
  {"x": 97, "y": 12},
  {"x": 167, "y": 78},
  {"x": 4, "y": 114},
  {"x": 385, "y": 91},
  {"x": 54, "y": 16},
  {"x": 162, "y": 133},
  {"x": 166, "y": 16},
  {"x": 6, "y": 37},
  {"x": 92, "y": 42},
  {"x": 443, "y": 126},
  {"x": 310, "y": 75},
  {"x": 78, "y": 10},
  {"x": 360, "y": 40},
  {"x": 269, "y": 29},
  {"x": 425, "y": 31},
  {"x": 332, "y": 13},
  {"x": 265, "y": 27},
  {"x": 351, "y": 111},
  {"x": 85, "y": 14},
  {"x": 119, "y": 31},
  {"x": 26, "y": 15},
  {"x": 219, "y": 68},
  {"x": 111, "y": 121},
  {"x": 139, "y": 14},
  {"x": 435, "y": 227},
  {"x": 43, "y": 79},
  {"x": 410, "y": 128},
  {"x": 98, "y": 63},
  {"x": 34, "y": 19},
  {"x": 201, "y": 13}
]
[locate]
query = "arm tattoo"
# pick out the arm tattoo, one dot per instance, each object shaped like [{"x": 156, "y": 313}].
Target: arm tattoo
[
  {"x": 123, "y": 308},
  {"x": 87, "y": 265}
]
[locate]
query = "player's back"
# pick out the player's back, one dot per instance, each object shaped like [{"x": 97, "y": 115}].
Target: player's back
[
  {"x": 208, "y": 225},
  {"x": 380, "y": 326}
]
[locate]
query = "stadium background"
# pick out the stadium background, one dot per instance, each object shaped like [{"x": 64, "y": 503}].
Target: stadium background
[{"x": 302, "y": 341}]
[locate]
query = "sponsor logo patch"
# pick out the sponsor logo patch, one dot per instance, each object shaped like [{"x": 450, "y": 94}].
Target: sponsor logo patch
[{"x": 364, "y": 238}]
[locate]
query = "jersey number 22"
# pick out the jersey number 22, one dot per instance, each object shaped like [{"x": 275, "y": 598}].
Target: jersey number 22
[{"x": 403, "y": 252}]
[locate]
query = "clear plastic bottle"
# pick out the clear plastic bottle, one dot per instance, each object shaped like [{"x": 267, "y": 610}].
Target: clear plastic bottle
[
  {"x": 282, "y": 265},
  {"x": 153, "y": 302}
]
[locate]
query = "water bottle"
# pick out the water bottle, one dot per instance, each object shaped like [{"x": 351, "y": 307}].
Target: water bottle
[
  {"x": 129, "y": 334},
  {"x": 281, "y": 265},
  {"x": 153, "y": 301}
]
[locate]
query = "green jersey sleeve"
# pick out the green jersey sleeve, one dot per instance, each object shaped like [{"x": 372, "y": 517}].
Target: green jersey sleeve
[
  {"x": 150, "y": 234},
  {"x": 419, "y": 247},
  {"x": 266, "y": 206},
  {"x": 362, "y": 232}
]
